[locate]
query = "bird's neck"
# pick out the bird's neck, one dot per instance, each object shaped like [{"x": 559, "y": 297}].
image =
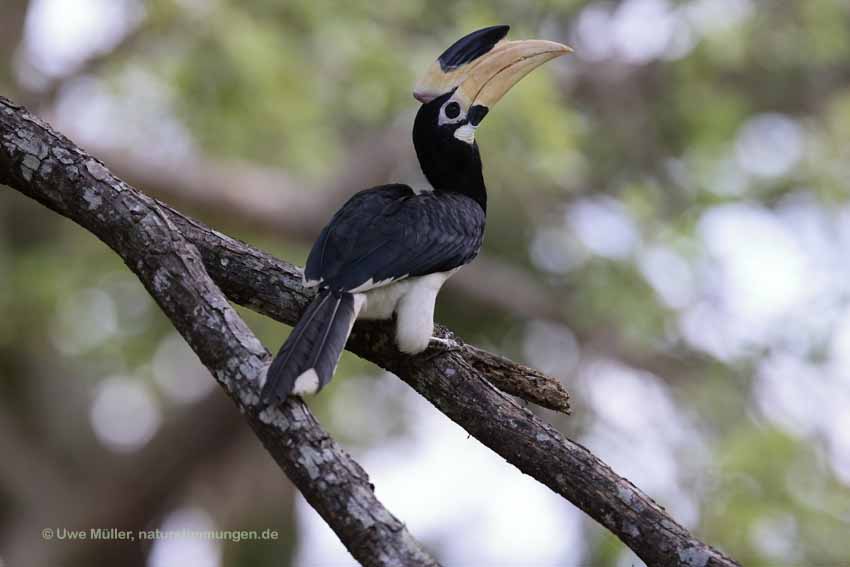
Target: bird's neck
[
  {"x": 454, "y": 171},
  {"x": 450, "y": 165}
]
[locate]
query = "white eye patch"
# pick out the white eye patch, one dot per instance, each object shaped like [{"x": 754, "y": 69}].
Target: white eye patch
[
  {"x": 466, "y": 133},
  {"x": 451, "y": 113}
]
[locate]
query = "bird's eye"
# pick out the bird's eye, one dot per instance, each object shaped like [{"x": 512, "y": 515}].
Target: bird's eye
[{"x": 451, "y": 113}]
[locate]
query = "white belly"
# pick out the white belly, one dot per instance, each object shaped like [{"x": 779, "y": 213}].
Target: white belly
[
  {"x": 413, "y": 300},
  {"x": 380, "y": 303}
]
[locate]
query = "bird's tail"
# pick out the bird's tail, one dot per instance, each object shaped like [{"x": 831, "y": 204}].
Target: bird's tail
[{"x": 307, "y": 360}]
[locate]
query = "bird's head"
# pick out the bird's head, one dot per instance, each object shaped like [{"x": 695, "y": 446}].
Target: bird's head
[{"x": 458, "y": 91}]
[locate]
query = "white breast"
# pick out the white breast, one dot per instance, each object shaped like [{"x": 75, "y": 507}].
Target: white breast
[
  {"x": 380, "y": 302},
  {"x": 413, "y": 300}
]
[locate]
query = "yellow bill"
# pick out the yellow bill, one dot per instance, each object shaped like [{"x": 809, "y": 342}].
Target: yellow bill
[{"x": 484, "y": 79}]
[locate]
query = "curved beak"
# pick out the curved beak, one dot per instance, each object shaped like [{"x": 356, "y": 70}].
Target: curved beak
[
  {"x": 485, "y": 79},
  {"x": 493, "y": 75}
]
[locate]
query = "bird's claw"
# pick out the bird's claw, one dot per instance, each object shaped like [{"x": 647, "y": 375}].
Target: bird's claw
[{"x": 446, "y": 344}]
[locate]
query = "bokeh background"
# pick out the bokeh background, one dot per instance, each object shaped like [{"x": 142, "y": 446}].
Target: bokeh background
[{"x": 669, "y": 234}]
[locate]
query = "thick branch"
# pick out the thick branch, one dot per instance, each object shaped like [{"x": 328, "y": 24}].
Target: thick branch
[
  {"x": 33, "y": 160},
  {"x": 47, "y": 167}
]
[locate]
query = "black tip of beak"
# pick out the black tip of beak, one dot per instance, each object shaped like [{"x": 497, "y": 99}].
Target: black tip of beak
[
  {"x": 471, "y": 46},
  {"x": 476, "y": 114}
]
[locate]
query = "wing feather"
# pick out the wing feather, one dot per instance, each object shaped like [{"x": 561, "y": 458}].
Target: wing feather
[{"x": 388, "y": 233}]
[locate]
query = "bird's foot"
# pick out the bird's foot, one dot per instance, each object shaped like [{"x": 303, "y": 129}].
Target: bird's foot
[{"x": 446, "y": 344}]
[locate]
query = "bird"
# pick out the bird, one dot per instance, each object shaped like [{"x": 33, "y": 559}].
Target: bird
[{"x": 389, "y": 249}]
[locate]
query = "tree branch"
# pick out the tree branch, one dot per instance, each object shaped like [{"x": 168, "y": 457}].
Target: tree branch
[
  {"x": 47, "y": 167},
  {"x": 153, "y": 240}
]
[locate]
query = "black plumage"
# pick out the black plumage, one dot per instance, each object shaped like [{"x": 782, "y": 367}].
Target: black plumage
[
  {"x": 471, "y": 46},
  {"x": 315, "y": 343},
  {"x": 380, "y": 236},
  {"x": 451, "y": 165},
  {"x": 387, "y": 233}
]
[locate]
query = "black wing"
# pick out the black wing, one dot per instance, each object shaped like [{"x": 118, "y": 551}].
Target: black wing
[{"x": 388, "y": 233}]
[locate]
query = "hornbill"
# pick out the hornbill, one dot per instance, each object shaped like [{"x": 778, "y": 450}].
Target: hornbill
[{"x": 390, "y": 249}]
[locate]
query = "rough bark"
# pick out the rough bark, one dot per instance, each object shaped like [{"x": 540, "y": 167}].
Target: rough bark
[{"x": 153, "y": 240}]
